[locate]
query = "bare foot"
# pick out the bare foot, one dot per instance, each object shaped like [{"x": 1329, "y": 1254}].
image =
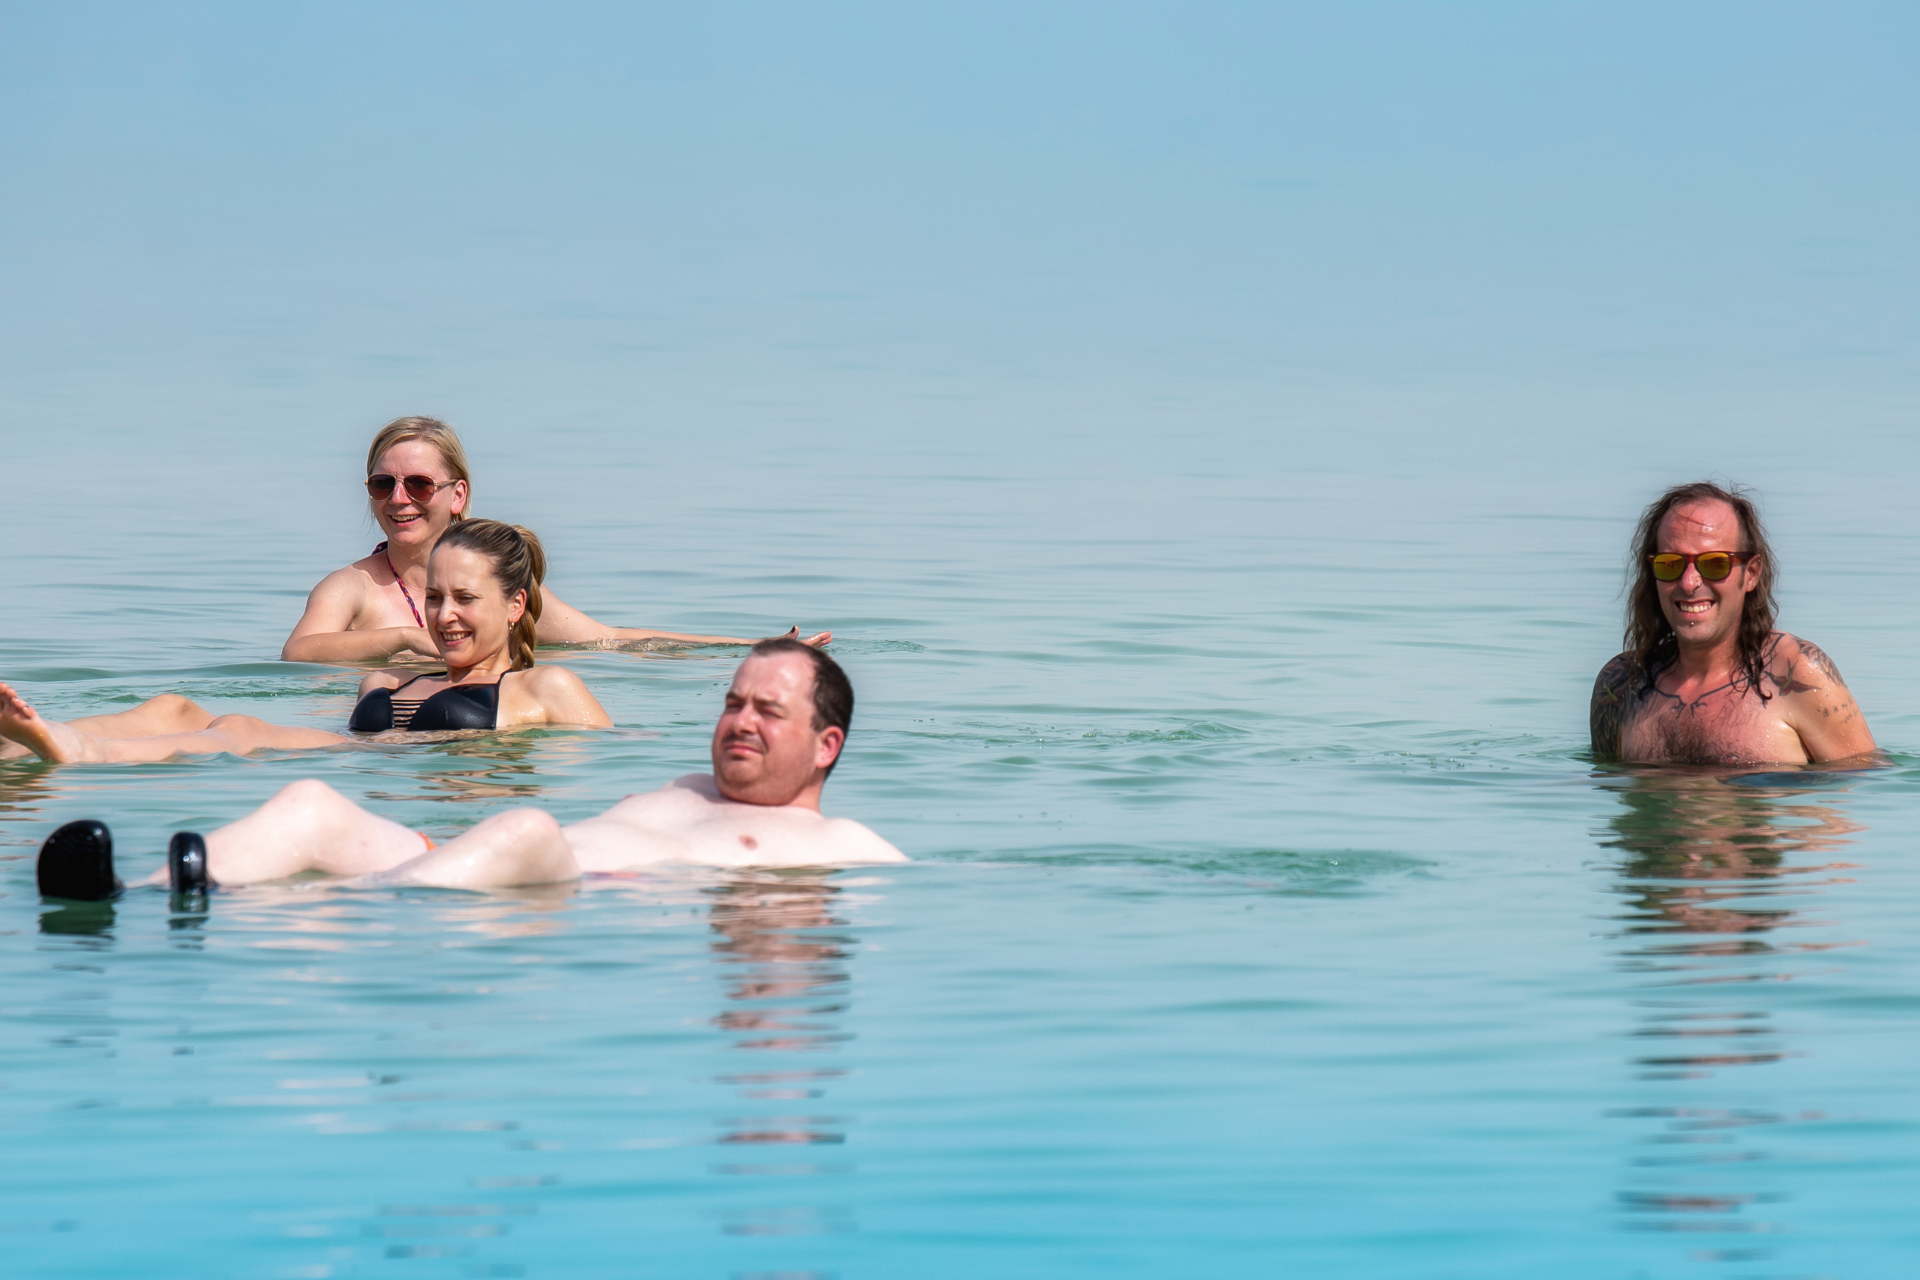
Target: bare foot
[{"x": 48, "y": 739}]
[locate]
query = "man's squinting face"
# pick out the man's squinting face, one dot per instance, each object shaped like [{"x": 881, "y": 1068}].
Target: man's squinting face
[
  {"x": 1704, "y": 613},
  {"x": 765, "y": 748}
]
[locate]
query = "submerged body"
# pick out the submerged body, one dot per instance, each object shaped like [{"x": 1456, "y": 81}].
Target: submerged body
[
  {"x": 1800, "y": 712},
  {"x": 1706, "y": 679},
  {"x": 309, "y": 826},
  {"x": 373, "y": 609},
  {"x": 481, "y": 625},
  {"x": 774, "y": 744}
]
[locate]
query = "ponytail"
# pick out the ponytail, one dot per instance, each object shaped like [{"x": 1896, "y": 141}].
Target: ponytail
[{"x": 519, "y": 564}]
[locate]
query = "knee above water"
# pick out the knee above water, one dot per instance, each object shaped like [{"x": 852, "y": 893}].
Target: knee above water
[
  {"x": 309, "y": 792},
  {"x": 527, "y": 824}
]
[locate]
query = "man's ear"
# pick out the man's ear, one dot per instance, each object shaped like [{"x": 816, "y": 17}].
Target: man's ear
[
  {"x": 827, "y": 749},
  {"x": 1755, "y": 572}
]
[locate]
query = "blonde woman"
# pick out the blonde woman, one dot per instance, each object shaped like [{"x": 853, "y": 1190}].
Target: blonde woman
[
  {"x": 419, "y": 486},
  {"x": 482, "y": 603}
]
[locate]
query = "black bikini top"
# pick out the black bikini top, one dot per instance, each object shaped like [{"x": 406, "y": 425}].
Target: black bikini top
[{"x": 460, "y": 706}]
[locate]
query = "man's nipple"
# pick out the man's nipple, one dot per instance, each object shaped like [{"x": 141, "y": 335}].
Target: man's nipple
[{"x": 750, "y": 842}]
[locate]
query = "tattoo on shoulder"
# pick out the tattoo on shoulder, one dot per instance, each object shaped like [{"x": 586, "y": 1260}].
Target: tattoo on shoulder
[
  {"x": 1612, "y": 701},
  {"x": 1817, "y": 658},
  {"x": 1783, "y": 680}
]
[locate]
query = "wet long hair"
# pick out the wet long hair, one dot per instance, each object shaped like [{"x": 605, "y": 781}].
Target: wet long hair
[
  {"x": 434, "y": 432},
  {"x": 519, "y": 564},
  {"x": 1650, "y": 642}
]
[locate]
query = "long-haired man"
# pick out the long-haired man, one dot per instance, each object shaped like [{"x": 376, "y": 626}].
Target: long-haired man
[{"x": 1706, "y": 679}]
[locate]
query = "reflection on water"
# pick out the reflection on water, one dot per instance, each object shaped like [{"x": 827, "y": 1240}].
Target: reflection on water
[
  {"x": 85, "y": 919},
  {"x": 25, "y": 788},
  {"x": 486, "y": 767},
  {"x": 784, "y": 956},
  {"x": 1713, "y": 870}
]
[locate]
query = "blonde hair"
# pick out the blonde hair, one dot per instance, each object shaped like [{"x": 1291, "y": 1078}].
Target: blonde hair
[
  {"x": 519, "y": 564},
  {"x": 434, "y": 432}
]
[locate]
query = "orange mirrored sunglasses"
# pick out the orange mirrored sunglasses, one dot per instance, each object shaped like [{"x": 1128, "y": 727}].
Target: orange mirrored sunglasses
[{"x": 1668, "y": 566}]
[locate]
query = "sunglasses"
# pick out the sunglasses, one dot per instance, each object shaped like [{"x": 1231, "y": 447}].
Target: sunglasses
[
  {"x": 1668, "y": 566},
  {"x": 419, "y": 488}
]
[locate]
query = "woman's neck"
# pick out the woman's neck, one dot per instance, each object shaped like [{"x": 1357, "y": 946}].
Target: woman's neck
[
  {"x": 485, "y": 671},
  {"x": 409, "y": 562}
]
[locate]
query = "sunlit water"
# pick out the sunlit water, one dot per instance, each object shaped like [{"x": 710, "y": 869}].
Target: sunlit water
[
  {"x": 1266, "y": 914},
  {"x": 1213, "y": 434}
]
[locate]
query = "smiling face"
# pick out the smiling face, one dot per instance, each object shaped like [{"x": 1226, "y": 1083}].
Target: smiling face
[
  {"x": 468, "y": 614},
  {"x": 410, "y": 523},
  {"x": 1705, "y": 614},
  {"x": 765, "y": 747}
]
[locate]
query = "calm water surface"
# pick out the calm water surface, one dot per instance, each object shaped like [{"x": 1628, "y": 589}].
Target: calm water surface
[
  {"x": 1266, "y": 914},
  {"x": 1213, "y": 433}
]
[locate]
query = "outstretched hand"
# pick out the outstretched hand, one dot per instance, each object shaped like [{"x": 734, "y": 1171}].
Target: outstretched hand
[{"x": 819, "y": 640}]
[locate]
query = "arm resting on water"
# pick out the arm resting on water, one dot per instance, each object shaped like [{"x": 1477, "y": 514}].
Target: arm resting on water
[
  {"x": 561, "y": 623},
  {"x": 323, "y": 635}
]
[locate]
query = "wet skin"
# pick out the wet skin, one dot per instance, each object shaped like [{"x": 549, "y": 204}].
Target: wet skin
[
  {"x": 469, "y": 620},
  {"x": 1704, "y": 708},
  {"x": 759, "y": 807},
  {"x": 360, "y": 613}
]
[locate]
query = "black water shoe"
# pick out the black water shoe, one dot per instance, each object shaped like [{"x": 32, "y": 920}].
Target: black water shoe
[
  {"x": 76, "y": 863},
  {"x": 187, "y": 863}
]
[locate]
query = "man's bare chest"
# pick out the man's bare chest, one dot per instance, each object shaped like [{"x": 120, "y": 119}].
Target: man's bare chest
[{"x": 1730, "y": 725}]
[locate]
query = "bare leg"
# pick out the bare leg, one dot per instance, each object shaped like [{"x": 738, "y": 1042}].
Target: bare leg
[
  {"x": 52, "y": 740},
  {"x": 242, "y": 734},
  {"x": 523, "y": 846},
  {"x": 308, "y": 826},
  {"x": 49, "y": 739},
  {"x": 168, "y": 713}
]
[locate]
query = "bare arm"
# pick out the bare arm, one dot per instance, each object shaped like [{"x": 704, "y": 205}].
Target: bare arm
[
  {"x": 1820, "y": 707},
  {"x": 1612, "y": 699},
  {"x": 324, "y": 632},
  {"x": 561, "y": 623}
]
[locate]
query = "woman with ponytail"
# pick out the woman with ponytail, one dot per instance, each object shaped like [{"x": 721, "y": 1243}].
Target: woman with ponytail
[
  {"x": 483, "y": 605},
  {"x": 419, "y": 488}
]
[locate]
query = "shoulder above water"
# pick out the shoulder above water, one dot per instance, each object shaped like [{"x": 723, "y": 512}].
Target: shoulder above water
[
  {"x": 1797, "y": 666},
  {"x": 1613, "y": 698},
  {"x": 694, "y": 801}
]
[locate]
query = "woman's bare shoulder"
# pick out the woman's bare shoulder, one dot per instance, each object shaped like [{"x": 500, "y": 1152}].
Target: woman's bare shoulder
[
  {"x": 382, "y": 680},
  {"x": 349, "y": 581},
  {"x": 544, "y": 680}
]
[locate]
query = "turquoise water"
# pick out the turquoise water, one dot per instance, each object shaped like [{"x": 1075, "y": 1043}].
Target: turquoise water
[
  {"x": 1266, "y": 914},
  {"x": 1214, "y": 440}
]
